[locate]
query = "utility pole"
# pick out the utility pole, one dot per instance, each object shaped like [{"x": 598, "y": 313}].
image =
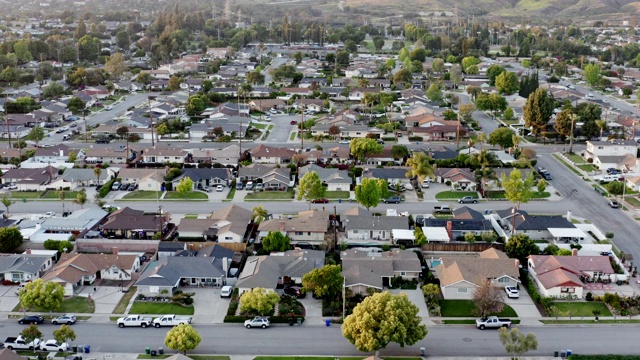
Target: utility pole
[
  {"x": 302, "y": 124},
  {"x": 573, "y": 120},
  {"x": 149, "y": 98},
  {"x": 6, "y": 121},
  {"x": 335, "y": 228}
]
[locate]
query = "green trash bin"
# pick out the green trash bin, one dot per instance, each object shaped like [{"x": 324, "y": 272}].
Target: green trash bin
[{"x": 148, "y": 350}]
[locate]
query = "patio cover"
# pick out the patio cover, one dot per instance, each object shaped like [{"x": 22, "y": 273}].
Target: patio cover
[
  {"x": 402, "y": 234},
  {"x": 436, "y": 233},
  {"x": 567, "y": 233}
]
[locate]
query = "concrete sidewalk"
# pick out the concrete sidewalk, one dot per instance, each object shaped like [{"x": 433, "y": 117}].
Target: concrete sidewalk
[{"x": 132, "y": 356}]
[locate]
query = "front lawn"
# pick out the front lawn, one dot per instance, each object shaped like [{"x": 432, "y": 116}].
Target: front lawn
[
  {"x": 142, "y": 195},
  {"x": 259, "y": 126},
  {"x": 455, "y": 195},
  {"x": 124, "y": 301},
  {"x": 159, "y": 308},
  {"x": 632, "y": 200},
  {"x": 587, "y": 167},
  {"x": 575, "y": 158},
  {"x": 582, "y": 308},
  {"x": 337, "y": 195},
  {"x": 231, "y": 193},
  {"x": 191, "y": 195},
  {"x": 25, "y": 194},
  {"x": 464, "y": 308},
  {"x": 76, "y": 304},
  {"x": 293, "y": 135},
  {"x": 51, "y": 194},
  {"x": 270, "y": 195},
  {"x": 500, "y": 195}
]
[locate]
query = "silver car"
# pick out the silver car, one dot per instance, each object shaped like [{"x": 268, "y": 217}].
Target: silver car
[
  {"x": 258, "y": 321},
  {"x": 64, "y": 319}
]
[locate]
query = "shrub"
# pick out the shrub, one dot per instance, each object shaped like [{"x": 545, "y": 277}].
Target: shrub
[
  {"x": 589, "y": 296},
  {"x": 415, "y": 138},
  {"x": 104, "y": 190}
]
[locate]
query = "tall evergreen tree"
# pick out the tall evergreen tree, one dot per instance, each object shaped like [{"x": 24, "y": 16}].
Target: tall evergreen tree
[{"x": 538, "y": 110}]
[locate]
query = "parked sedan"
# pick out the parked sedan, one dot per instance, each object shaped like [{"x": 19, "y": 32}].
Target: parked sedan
[
  {"x": 54, "y": 345},
  {"x": 614, "y": 204},
  {"x": 512, "y": 292},
  {"x": 393, "y": 200},
  {"x": 320, "y": 201},
  {"x": 64, "y": 319},
  {"x": 219, "y": 188},
  {"x": 31, "y": 319}
]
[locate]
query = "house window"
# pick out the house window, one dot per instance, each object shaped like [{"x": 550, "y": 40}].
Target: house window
[
  {"x": 355, "y": 231},
  {"x": 503, "y": 279},
  {"x": 462, "y": 290},
  {"x": 228, "y": 238},
  {"x": 403, "y": 273},
  {"x": 309, "y": 233},
  {"x": 299, "y": 233},
  {"x": 568, "y": 290}
]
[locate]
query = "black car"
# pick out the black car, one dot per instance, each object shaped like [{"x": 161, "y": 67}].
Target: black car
[
  {"x": 124, "y": 187},
  {"x": 31, "y": 319},
  {"x": 103, "y": 141},
  {"x": 547, "y": 176},
  {"x": 614, "y": 204},
  {"x": 295, "y": 291}
]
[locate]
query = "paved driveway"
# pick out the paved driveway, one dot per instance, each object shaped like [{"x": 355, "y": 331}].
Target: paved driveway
[
  {"x": 524, "y": 306},
  {"x": 416, "y": 297},
  {"x": 210, "y": 308}
]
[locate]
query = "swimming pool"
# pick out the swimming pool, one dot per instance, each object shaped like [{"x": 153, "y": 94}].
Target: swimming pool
[{"x": 435, "y": 262}]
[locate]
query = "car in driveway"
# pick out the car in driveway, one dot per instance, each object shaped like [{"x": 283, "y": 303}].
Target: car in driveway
[
  {"x": 64, "y": 319},
  {"x": 258, "y": 321},
  {"x": 219, "y": 188},
  {"x": 239, "y": 186},
  {"x": 31, "y": 319},
  {"x": 512, "y": 292},
  {"x": 344, "y": 142},
  {"x": 613, "y": 204},
  {"x": 295, "y": 291},
  {"x": 226, "y": 291},
  {"x": 53, "y": 345}
]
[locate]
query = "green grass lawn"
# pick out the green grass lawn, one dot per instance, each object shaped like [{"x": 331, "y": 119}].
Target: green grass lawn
[
  {"x": 25, "y": 194},
  {"x": 191, "y": 195},
  {"x": 575, "y": 158},
  {"x": 293, "y": 136},
  {"x": 49, "y": 194},
  {"x": 337, "y": 195},
  {"x": 143, "y": 307},
  {"x": 464, "y": 308},
  {"x": 76, "y": 305},
  {"x": 587, "y": 167},
  {"x": 142, "y": 195},
  {"x": 455, "y": 195},
  {"x": 191, "y": 216},
  {"x": 567, "y": 165},
  {"x": 259, "y": 126},
  {"x": 270, "y": 195},
  {"x": 124, "y": 301},
  {"x": 583, "y": 308},
  {"x": 632, "y": 200},
  {"x": 231, "y": 193},
  {"x": 470, "y": 322},
  {"x": 534, "y": 195}
]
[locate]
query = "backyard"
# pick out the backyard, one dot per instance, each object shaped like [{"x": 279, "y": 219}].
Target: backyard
[
  {"x": 270, "y": 195},
  {"x": 464, "y": 308},
  {"x": 160, "y": 308}
]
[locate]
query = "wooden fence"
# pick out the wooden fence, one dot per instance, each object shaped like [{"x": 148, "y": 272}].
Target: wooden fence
[
  {"x": 238, "y": 247},
  {"x": 461, "y": 246}
]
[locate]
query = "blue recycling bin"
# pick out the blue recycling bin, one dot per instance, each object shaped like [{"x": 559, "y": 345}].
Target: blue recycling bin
[
  {"x": 569, "y": 352},
  {"x": 339, "y": 201},
  {"x": 87, "y": 349},
  {"x": 327, "y": 322}
]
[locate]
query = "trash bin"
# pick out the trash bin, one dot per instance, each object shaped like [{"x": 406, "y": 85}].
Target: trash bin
[
  {"x": 569, "y": 352},
  {"x": 160, "y": 350},
  {"x": 300, "y": 321},
  {"x": 74, "y": 348},
  {"x": 153, "y": 353},
  {"x": 328, "y": 322},
  {"x": 148, "y": 350},
  {"x": 87, "y": 349},
  {"x": 563, "y": 354},
  {"x": 423, "y": 351},
  {"x": 291, "y": 321},
  {"x": 81, "y": 348},
  {"x": 339, "y": 201},
  {"x": 556, "y": 353}
]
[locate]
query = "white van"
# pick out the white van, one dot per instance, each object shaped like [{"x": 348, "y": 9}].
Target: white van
[
  {"x": 609, "y": 178},
  {"x": 66, "y": 137}
]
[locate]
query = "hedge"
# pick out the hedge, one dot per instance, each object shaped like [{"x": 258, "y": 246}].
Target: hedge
[
  {"x": 415, "y": 138},
  {"x": 104, "y": 190},
  {"x": 272, "y": 319}
]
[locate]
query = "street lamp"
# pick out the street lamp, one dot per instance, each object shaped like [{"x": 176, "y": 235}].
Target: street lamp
[{"x": 150, "y": 98}]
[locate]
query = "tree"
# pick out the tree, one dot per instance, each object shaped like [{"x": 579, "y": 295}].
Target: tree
[
  {"x": 492, "y": 73},
  {"x": 174, "y": 82},
  {"x": 592, "y": 74},
  {"x": 469, "y": 61},
  {"x": 383, "y": 318},
  {"x": 116, "y": 65},
  {"x": 53, "y": 90},
  {"x": 419, "y": 165},
  {"x": 487, "y": 299},
  {"x": 455, "y": 75},
  {"x": 64, "y": 334},
  {"x": 516, "y": 189},
  {"x": 326, "y": 281},
  {"x": 541, "y": 186},
  {"x": 508, "y": 114},
  {"x": 400, "y": 152},
  {"x": 75, "y": 104},
  {"x": 520, "y": 247},
  {"x": 370, "y": 191},
  {"x": 97, "y": 172},
  {"x": 10, "y": 238},
  {"x": 185, "y": 185},
  {"x": 437, "y": 65},
  {"x": 507, "y": 82},
  {"x": 334, "y": 130},
  {"x": 502, "y": 137},
  {"x": 311, "y": 188},
  {"x": 258, "y": 301},
  {"x": 276, "y": 241},
  {"x": 431, "y": 293},
  {"x": 434, "y": 93},
  {"x": 516, "y": 343},
  {"x": 182, "y": 338},
  {"x": 7, "y": 202},
  {"x": 563, "y": 122},
  {"x": 81, "y": 198},
  {"x": 615, "y": 188},
  {"x": 538, "y": 110},
  {"x": 42, "y": 296},
  {"x": 36, "y": 134},
  {"x": 31, "y": 333},
  {"x": 419, "y": 236},
  {"x": 363, "y": 147},
  {"x": 402, "y": 76}
]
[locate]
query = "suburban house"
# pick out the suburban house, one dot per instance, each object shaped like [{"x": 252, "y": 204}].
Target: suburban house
[
  {"x": 228, "y": 225},
  {"x": 263, "y": 154},
  {"x": 392, "y": 175},
  {"x": 76, "y": 270},
  {"x": 55, "y": 154},
  {"x": 105, "y": 156},
  {"x": 539, "y": 227},
  {"x": 334, "y": 179},
  {"x": 611, "y": 154},
  {"x": 172, "y": 272},
  {"x": 164, "y": 155},
  {"x": 22, "y": 268},
  {"x": 148, "y": 179},
  {"x": 364, "y": 270},
  {"x": 366, "y": 227},
  {"x": 202, "y": 177},
  {"x": 308, "y": 228},
  {"x": 465, "y": 220},
  {"x": 78, "y": 224},
  {"x": 229, "y": 155},
  {"x": 460, "y": 275},
  {"x": 127, "y": 223},
  {"x": 265, "y": 105},
  {"x": 460, "y": 178},
  {"x": 559, "y": 276},
  {"x": 76, "y": 177},
  {"x": 272, "y": 178},
  {"x": 30, "y": 179},
  {"x": 268, "y": 271}
]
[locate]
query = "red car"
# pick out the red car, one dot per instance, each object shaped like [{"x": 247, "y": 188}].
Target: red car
[
  {"x": 320, "y": 201},
  {"x": 293, "y": 122}
]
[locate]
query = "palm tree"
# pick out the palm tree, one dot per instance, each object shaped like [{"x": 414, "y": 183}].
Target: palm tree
[
  {"x": 62, "y": 195},
  {"x": 602, "y": 124},
  {"x": 471, "y": 142},
  {"x": 81, "y": 198},
  {"x": 419, "y": 165},
  {"x": 258, "y": 214},
  {"x": 481, "y": 138},
  {"x": 97, "y": 172},
  {"x": 485, "y": 159}
]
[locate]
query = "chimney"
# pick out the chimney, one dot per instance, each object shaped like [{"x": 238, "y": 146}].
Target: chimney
[
  {"x": 574, "y": 252},
  {"x": 28, "y": 251},
  {"x": 450, "y": 230},
  {"x": 114, "y": 250},
  {"x": 225, "y": 265},
  {"x": 517, "y": 263},
  {"x": 569, "y": 215}
]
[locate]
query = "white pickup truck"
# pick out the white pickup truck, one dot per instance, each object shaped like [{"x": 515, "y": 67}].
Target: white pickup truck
[
  {"x": 18, "y": 343},
  {"x": 134, "y": 320},
  {"x": 492, "y": 322},
  {"x": 171, "y": 320}
]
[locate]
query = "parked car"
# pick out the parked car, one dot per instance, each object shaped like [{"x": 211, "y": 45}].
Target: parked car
[
  {"x": 468, "y": 200},
  {"x": 425, "y": 183},
  {"x": 612, "y": 203},
  {"x": 512, "y": 292},
  {"x": 295, "y": 291},
  {"x": 108, "y": 107},
  {"x": 219, "y": 188},
  {"x": 31, "y": 319},
  {"x": 12, "y": 186},
  {"x": 546, "y": 176},
  {"x": 320, "y": 201},
  {"x": 239, "y": 185},
  {"x": 64, "y": 319},
  {"x": 124, "y": 187},
  {"x": 103, "y": 141},
  {"x": 249, "y": 186},
  {"x": 393, "y": 200},
  {"x": 445, "y": 209},
  {"x": 20, "y": 287},
  {"x": 492, "y": 322},
  {"x": 54, "y": 346},
  {"x": 344, "y": 142},
  {"x": 226, "y": 291},
  {"x": 258, "y": 321},
  {"x": 273, "y": 111},
  {"x": 259, "y": 186},
  {"x": 132, "y": 187},
  {"x": 293, "y": 122}
]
